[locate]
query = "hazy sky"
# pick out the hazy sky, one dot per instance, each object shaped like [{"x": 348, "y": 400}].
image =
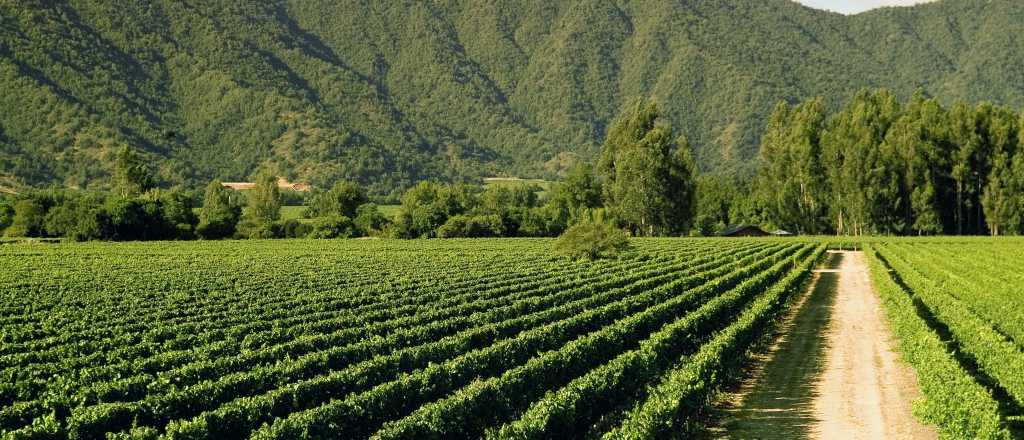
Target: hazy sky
[{"x": 855, "y": 6}]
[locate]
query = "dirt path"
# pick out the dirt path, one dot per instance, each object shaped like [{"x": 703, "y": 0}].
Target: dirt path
[
  {"x": 834, "y": 373},
  {"x": 864, "y": 392}
]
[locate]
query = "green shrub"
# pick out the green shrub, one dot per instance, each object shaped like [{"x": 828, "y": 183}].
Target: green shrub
[
  {"x": 591, "y": 238},
  {"x": 369, "y": 220},
  {"x": 471, "y": 227},
  {"x": 293, "y": 228},
  {"x": 6, "y": 214},
  {"x": 332, "y": 226},
  {"x": 28, "y": 220}
]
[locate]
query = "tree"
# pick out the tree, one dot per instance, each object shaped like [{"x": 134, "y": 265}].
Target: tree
[
  {"x": 680, "y": 188},
  {"x": 861, "y": 176},
  {"x": 76, "y": 219},
  {"x": 135, "y": 219},
  {"x": 293, "y": 228},
  {"x": 219, "y": 216},
  {"x": 427, "y": 205},
  {"x": 926, "y": 215},
  {"x": 511, "y": 205},
  {"x": 369, "y": 220},
  {"x": 964, "y": 133},
  {"x": 6, "y": 213},
  {"x": 1016, "y": 189},
  {"x": 575, "y": 194},
  {"x": 464, "y": 226},
  {"x": 998, "y": 199},
  {"x": 28, "y": 221},
  {"x": 179, "y": 211},
  {"x": 342, "y": 199},
  {"x": 262, "y": 209},
  {"x": 332, "y": 226},
  {"x": 716, "y": 204},
  {"x": 131, "y": 175},
  {"x": 649, "y": 173},
  {"x": 918, "y": 139},
  {"x": 792, "y": 177}
]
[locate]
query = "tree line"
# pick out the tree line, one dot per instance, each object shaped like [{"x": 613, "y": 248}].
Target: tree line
[
  {"x": 644, "y": 181},
  {"x": 880, "y": 166},
  {"x": 877, "y": 165}
]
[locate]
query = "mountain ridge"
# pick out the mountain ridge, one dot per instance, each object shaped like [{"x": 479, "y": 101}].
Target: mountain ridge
[{"x": 388, "y": 93}]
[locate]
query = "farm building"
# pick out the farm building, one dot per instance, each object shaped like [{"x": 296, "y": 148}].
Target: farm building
[{"x": 743, "y": 231}]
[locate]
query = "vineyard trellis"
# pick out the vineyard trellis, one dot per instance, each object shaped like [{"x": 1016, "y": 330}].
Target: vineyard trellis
[{"x": 356, "y": 339}]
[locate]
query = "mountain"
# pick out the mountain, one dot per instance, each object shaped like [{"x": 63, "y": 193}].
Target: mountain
[{"x": 390, "y": 92}]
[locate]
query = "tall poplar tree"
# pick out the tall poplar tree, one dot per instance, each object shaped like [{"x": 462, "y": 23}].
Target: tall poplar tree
[
  {"x": 916, "y": 140},
  {"x": 792, "y": 182},
  {"x": 860, "y": 174},
  {"x": 998, "y": 198},
  {"x": 963, "y": 168}
]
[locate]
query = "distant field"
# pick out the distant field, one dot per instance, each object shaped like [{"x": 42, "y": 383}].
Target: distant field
[
  {"x": 292, "y": 212},
  {"x": 489, "y": 181},
  {"x": 544, "y": 185},
  {"x": 353, "y": 338}
]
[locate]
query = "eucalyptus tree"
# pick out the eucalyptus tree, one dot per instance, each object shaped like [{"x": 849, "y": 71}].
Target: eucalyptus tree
[{"x": 649, "y": 173}]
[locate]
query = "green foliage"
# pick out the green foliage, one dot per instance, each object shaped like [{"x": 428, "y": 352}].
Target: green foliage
[
  {"x": 791, "y": 182},
  {"x": 342, "y": 199},
  {"x": 131, "y": 176},
  {"x": 880, "y": 166},
  {"x": 459, "y": 90},
  {"x": 137, "y": 219},
  {"x": 262, "y": 209},
  {"x": 674, "y": 404},
  {"x": 178, "y": 210},
  {"x": 332, "y": 226},
  {"x": 591, "y": 238},
  {"x": 28, "y": 221},
  {"x": 78, "y": 219},
  {"x": 472, "y": 227},
  {"x": 720, "y": 203},
  {"x": 427, "y": 206},
  {"x": 953, "y": 400},
  {"x": 369, "y": 220},
  {"x": 578, "y": 192},
  {"x": 293, "y": 228},
  {"x": 219, "y": 214},
  {"x": 416, "y": 349},
  {"x": 6, "y": 213},
  {"x": 649, "y": 174}
]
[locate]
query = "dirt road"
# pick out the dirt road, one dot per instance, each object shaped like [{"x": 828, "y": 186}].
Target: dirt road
[
  {"x": 864, "y": 391},
  {"x": 834, "y": 374}
]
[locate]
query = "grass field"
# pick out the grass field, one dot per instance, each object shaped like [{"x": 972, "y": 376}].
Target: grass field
[
  {"x": 543, "y": 185},
  {"x": 462, "y": 338},
  {"x": 292, "y": 212}
]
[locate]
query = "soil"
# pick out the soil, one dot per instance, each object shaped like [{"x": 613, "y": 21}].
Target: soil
[{"x": 833, "y": 374}]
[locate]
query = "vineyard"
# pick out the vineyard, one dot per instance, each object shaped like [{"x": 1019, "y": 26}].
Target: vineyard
[
  {"x": 386, "y": 339},
  {"x": 956, "y": 306}
]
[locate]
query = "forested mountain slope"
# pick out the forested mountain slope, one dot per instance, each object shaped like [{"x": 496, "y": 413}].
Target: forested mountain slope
[{"x": 389, "y": 92}]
